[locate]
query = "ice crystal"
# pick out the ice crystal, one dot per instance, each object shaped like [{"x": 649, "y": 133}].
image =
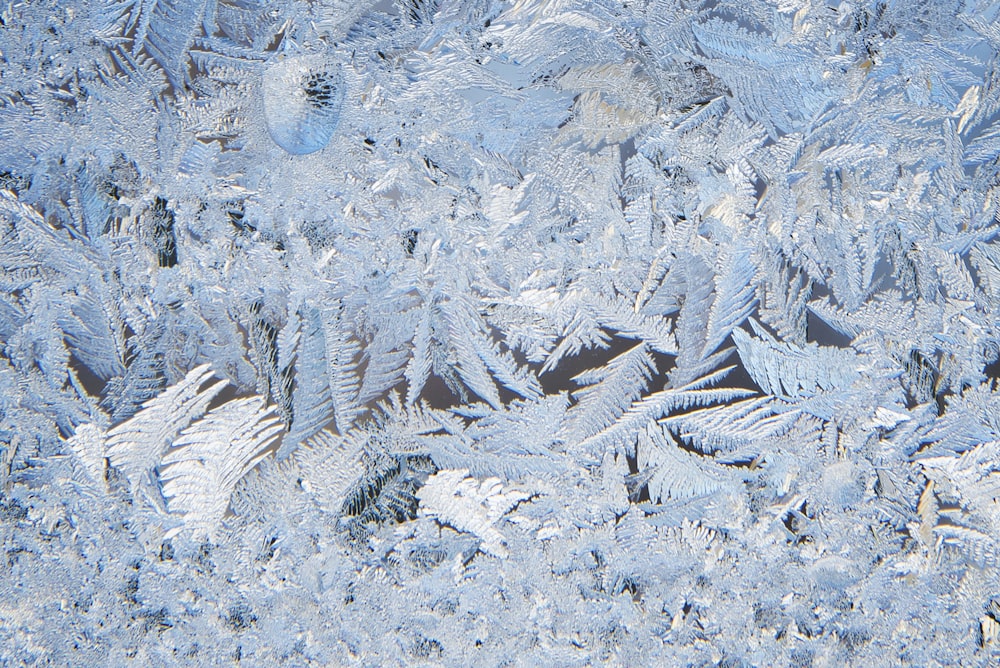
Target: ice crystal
[{"x": 483, "y": 332}]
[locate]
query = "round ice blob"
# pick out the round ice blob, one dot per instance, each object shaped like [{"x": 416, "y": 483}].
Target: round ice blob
[{"x": 302, "y": 100}]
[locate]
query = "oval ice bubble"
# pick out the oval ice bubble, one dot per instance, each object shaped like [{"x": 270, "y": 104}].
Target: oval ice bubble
[{"x": 302, "y": 100}]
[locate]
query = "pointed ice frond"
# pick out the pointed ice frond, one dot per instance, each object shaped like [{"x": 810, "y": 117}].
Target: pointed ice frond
[
  {"x": 986, "y": 259},
  {"x": 749, "y": 63},
  {"x": 343, "y": 352},
  {"x": 623, "y": 84},
  {"x": 732, "y": 426},
  {"x": 784, "y": 295},
  {"x": 167, "y": 29},
  {"x": 199, "y": 474},
  {"x": 977, "y": 547},
  {"x": 974, "y": 476},
  {"x": 518, "y": 441},
  {"x": 984, "y": 148},
  {"x": 675, "y": 474},
  {"x": 618, "y": 316},
  {"x": 610, "y": 391},
  {"x": 88, "y": 444},
  {"x": 599, "y": 121},
  {"x": 330, "y": 465},
  {"x": 326, "y": 378},
  {"x": 695, "y": 289},
  {"x": 581, "y": 331},
  {"x": 480, "y": 359},
  {"x": 735, "y": 296},
  {"x": 953, "y": 274},
  {"x": 312, "y": 405},
  {"x": 454, "y": 498},
  {"x": 971, "y": 418},
  {"x": 887, "y": 312},
  {"x": 94, "y": 333},
  {"x": 385, "y": 362},
  {"x": 135, "y": 445},
  {"x": 469, "y": 363},
  {"x": 659, "y": 404},
  {"x": 787, "y": 370},
  {"x": 732, "y": 40},
  {"x": 418, "y": 369}
]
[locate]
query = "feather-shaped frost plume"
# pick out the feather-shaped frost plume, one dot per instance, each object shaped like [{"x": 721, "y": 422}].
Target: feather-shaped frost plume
[
  {"x": 88, "y": 444},
  {"x": 211, "y": 456},
  {"x": 136, "y": 445},
  {"x": 454, "y": 498}
]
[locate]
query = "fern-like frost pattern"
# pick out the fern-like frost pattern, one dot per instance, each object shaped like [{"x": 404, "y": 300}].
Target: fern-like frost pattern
[{"x": 482, "y": 332}]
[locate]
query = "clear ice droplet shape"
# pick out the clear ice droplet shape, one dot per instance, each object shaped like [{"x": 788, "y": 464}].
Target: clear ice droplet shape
[{"x": 303, "y": 97}]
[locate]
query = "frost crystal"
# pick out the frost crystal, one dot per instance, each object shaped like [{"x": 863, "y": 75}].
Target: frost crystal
[{"x": 496, "y": 332}]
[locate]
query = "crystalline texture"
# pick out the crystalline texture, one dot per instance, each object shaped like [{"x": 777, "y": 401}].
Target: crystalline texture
[{"x": 496, "y": 332}]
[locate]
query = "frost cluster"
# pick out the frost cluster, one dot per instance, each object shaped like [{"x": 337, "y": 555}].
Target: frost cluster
[{"x": 499, "y": 332}]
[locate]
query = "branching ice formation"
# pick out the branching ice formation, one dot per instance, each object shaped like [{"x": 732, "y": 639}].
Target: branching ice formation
[{"x": 495, "y": 332}]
